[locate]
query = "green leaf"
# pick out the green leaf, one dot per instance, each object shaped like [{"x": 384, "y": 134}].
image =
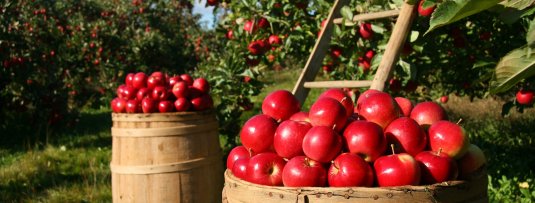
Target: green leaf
[
  {"x": 530, "y": 36},
  {"x": 346, "y": 13},
  {"x": 515, "y": 66},
  {"x": 452, "y": 11},
  {"x": 518, "y": 4}
]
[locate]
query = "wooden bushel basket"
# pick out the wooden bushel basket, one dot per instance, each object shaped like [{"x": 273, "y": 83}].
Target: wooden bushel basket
[
  {"x": 240, "y": 191},
  {"x": 166, "y": 157}
]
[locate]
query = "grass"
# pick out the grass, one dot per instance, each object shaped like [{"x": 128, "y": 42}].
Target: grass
[{"x": 74, "y": 165}]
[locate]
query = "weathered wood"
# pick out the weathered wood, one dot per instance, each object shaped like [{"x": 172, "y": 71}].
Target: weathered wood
[
  {"x": 166, "y": 157},
  {"x": 240, "y": 191},
  {"x": 394, "y": 46},
  {"x": 315, "y": 59},
  {"x": 368, "y": 16},
  {"x": 338, "y": 84}
]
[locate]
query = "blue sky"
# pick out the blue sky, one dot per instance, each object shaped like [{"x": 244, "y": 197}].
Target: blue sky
[{"x": 207, "y": 18}]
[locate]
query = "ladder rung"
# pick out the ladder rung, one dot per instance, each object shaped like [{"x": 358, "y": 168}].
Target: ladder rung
[
  {"x": 338, "y": 84},
  {"x": 369, "y": 16}
]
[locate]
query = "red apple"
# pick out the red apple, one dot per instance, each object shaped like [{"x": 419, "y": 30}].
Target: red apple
[
  {"x": 405, "y": 105},
  {"x": 129, "y": 92},
  {"x": 301, "y": 171},
  {"x": 212, "y": 2},
  {"x": 155, "y": 81},
  {"x": 365, "y": 139},
  {"x": 365, "y": 95},
  {"x": 274, "y": 40},
  {"x": 427, "y": 113},
  {"x": 350, "y": 170},
  {"x": 173, "y": 80},
  {"x": 366, "y": 31},
  {"x": 449, "y": 137},
  {"x": 444, "y": 99},
  {"x": 301, "y": 116},
  {"x": 180, "y": 89},
  {"x": 187, "y": 78},
  {"x": 288, "y": 139},
  {"x": 280, "y": 105},
  {"x": 120, "y": 91},
  {"x": 202, "y": 103},
  {"x": 143, "y": 93},
  {"x": 406, "y": 135},
  {"x": 471, "y": 162},
  {"x": 166, "y": 106},
  {"x": 140, "y": 80},
  {"x": 133, "y": 106},
  {"x": 328, "y": 112},
  {"x": 322, "y": 144},
  {"x": 336, "y": 52},
  {"x": 436, "y": 167},
  {"x": 193, "y": 93},
  {"x": 182, "y": 104},
  {"x": 160, "y": 93},
  {"x": 379, "y": 108},
  {"x": 202, "y": 85},
  {"x": 258, "y": 132},
  {"x": 239, "y": 169},
  {"x": 397, "y": 170},
  {"x": 265, "y": 169},
  {"x": 129, "y": 79},
  {"x": 230, "y": 34},
  {"x": 256, "y": 47},
  {"x": 369, "y": 54},
  {"x": 239, "y": 152},
  {"x": 118, "y": 105},
  {"x": 249, "y": 26},
  {"x": 425, "y": 12},
  {"x": 148, "y": 105},
  {"x": 262, "y": 23},
  {"x": 524, "y": 97},
  {"x": 341, "y": 97}
]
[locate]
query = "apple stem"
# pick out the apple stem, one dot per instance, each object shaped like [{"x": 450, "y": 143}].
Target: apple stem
[
  {"x": 392, "y": 147},
  {"x": 460, "y": 120},
  {"x": 334, "y": 126},
  {"x": 439, "y": 151},
  {"x": 307, "y": 161},
  {"x": 343, "y": 99}
]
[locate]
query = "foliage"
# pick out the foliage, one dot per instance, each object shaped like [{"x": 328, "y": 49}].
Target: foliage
[{"x": 59, "y": 56}]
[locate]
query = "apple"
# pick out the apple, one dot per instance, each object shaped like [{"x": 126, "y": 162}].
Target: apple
[
  {"x": 444, "y": 99},
  {"x": 155, "y": 81},
  {"x": 436, "y": 167},
  {"x": 118, "y": 105},
  {"x": 322, "y": 144},
  {"x": 350, "y": 170},
  {"x": 280, "y": 105},
  {"x": 148, "y": 105},
  {"x": 158, "y": 74},
  {"x": 212, "y": 2},
  {"x": 369, "y": 54},
  {"x": 180, "y": 89},
  {"x": 133, "y": 106},
  {"x": 341, "y": 97},
  {"x": 230, "y": 34},
  {"x": 336, "y": 52},
  {"x": 301, "y": 171},
  {"x": 524, "y": 97},
  {"x": 238, "y": 152},
  {"x": 288, "y": 138},
  {"x": 187, "y": 78},
  {"x": 256, "y": 47},
  {"x": 301, "y": 116},
  {"x": 406, "y": 135},
  {"x": 427, "y": 113},
  {"x": 425, "y": 12},
  {"x": 202, "y": 103},
  {"x": 397, "y": 170},
  {"x": 274, "y": 40},
  {"x": 129, "y": 92},
  {"x": 202, "y": 85},
  {"x": 129, "y": 79},
  {"x": 160, "y": 93},
  {"x": 449, "y": 137},
  {"x": 239, "y": 168},
  {"x": 471, "y": 162},
  {"x": 365, "y": 139},
  {"x": 366, "y": 31},
  {"x": 365, "y": 95},
  {"x": 173, "y": 80},
  {"x": 120, "y": 91},
  {"x": 262, "y": 23},
  {"x": 182, "y": 104},
  {"x": 257, "y": 133},
  {"x": 249, "y": 27},
  {"x": 328, "y": 112},
  {"x": 166, "y": 106},
  {"x": 265, "y": 169},
  {"x": 143, "y": 93},
  {"x": 192, "y": 93},
  {"x": 140, "y": 80},
  {"x": 379, "y": 108},
  {"x": 405, "y": 105}
]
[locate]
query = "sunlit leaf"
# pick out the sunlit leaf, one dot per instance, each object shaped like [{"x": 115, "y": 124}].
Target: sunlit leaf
[
  {"x": 515, "y": 66},
  {"x": 452, "y": 11}
]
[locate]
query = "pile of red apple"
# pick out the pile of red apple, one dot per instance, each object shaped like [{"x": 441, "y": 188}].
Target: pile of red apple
[
  {"x": 159, "y": 92},
  {"x": 381, "y": 141}
]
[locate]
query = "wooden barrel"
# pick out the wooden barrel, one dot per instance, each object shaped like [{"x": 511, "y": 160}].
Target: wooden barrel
[
  {"x": 240, "y": 191},
  {"x": 166, "y": 157}
]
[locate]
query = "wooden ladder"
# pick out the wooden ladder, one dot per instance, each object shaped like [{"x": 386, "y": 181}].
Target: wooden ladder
[{"x": 389, "y": 59}]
